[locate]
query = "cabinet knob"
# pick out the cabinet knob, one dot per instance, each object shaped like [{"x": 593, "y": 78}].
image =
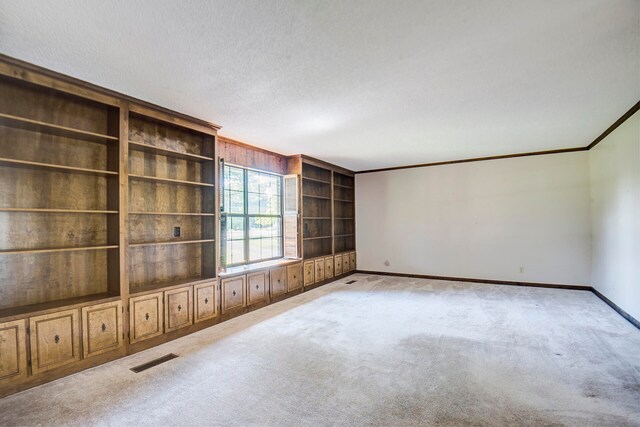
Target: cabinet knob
[
  {"x": 206, "y": 300},
  {"x": 104, "y": 327},
  {"x": 179, "y": 307},
  {"x": 258, "y": 286},
  {"x": 146, "y": 316},
  {"x": 233, "y": 293},
  {"x": 294, "y": 276},
  {"x": 56, "y": 339}
]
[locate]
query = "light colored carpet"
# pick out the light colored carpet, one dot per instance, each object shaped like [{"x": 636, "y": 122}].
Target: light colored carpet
[{"x": 382, "y": 351}]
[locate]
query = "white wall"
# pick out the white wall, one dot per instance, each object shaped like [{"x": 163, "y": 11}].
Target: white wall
[
  {"x": 480, "y": 220},
  {"x": 615, "y": 209}
]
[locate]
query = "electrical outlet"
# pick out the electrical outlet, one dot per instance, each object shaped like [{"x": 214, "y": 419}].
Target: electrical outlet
[
  {"x": 176, "y": 231},
  {"x": 387, "y": 263},
  {"x": 521, "y": 270}
]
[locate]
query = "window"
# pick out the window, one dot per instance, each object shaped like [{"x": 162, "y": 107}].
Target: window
[{"x": 252, "y": 216}]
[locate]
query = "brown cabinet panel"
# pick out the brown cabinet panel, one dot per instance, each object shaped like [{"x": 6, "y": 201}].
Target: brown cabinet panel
[
  {"x": 352, "y": 261},
  {"x": 233, "y": 293},
  {"x": 337, "y": 270},
  {"x": 55, "y": 340},
  {"x": 178, "y": 310},
  {"x": 146, "y": 316},
  {"x": 278, "y": 281},
  {"x": 205, "y": 301},
  {"x": 294, "y": 277},
  {"x": 257, "y": 287},
  {"x": 101, "y": 328},
  {"x": 346, "y": 263},
  {"x": 328, "y": 267},
  {"x": 319, "y": 269},
  {"x": 13, "y": 353},
  {"x": 309, "y": 268}
]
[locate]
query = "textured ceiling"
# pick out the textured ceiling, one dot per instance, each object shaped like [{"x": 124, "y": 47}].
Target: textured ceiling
[{"x": 363, "y": 84}]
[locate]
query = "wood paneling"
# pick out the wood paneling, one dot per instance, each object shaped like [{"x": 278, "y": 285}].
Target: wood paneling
[
  {"x": 337, "y": 269},
  {"x": 55, "y": 340},
  {"x": 309, "y": 272},
  {"x": 328, "y": 267},
  {"x": 241, "y": 154},
  {"x": 13, "y": 353},
  {"x": 346, "y": 263},
  {"x": 319, "y": 269},
  {"x": 102, "y": 328}
]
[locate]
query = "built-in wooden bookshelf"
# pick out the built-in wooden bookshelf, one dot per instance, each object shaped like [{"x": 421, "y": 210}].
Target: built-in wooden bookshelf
[
  {"x": 59, "y": 180},
  {"x": 344, "y": 211},
  {"x": 316, "y": 211},
  {"x": 171, "y": 205}
]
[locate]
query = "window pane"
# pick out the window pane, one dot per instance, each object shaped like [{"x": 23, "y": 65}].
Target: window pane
[
  {"x": 255, "y": 227},
  {"x": 235, "y": 252},
  {"x": 236, "y": 202},
  {"x": 267, "y": 249},
  {"x": 234, "y": 178},
  {"x": 235, "y": 228},
  {"x": 253, "y": 181},
  {"x": 254, "y": 203},
  {"x": 255, "y": 249}
]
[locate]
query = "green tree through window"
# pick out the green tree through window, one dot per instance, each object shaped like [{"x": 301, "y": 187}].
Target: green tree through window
[{"x": 252, "y": 202}]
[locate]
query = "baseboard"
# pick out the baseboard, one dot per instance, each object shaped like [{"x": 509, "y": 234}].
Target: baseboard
[
  {"x": 493, "y": 282},
  {"x": 620, "y": 311}
]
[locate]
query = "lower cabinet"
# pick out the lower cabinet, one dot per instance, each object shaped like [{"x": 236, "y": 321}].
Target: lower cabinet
[
  {"x": 278, "y": 281},
  {"x": 346, "y": 263},
  {"x": 101, "y": 328},
  {"x": 328, "y": 267},
  {"x": 13, "y": 352},
  {"x": 55, "y": 340},
  {"x": 178, "y": 311},
  {"x": 319, "y": 262},
  {"x": 309, "y": 268},
  {"x": 294, "y": 277},
  {"x": 337, "y": 270},
  {"x": 352, "y": 261},
  {"x": 257, "y": 287},
  {"x": 205, "y": 301},
  {"x": 145, "y": 314},
  {"x": 232, "y": 293}
]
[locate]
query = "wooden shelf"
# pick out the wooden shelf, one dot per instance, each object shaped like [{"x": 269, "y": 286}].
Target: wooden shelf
[
  {"x": 316, "y": 197},
  {"x": 64, "y": 211},
  {"x": 316, "y": 180},
  {"x": 316, "y": 238},
  {"x": 169, "y": 180},
  {"x": 50, "y": 128},
  {"x": 154, "y": 287},
  {"x": 346, "y": 219},
  {"x": 344, "y": 235},
  {"x": 137, "y": 146},
  {"x": 171, "y": 242},
  {"x": 343, "y": 186},
  {"x": 343, "y": 200},
  {"x": 173, "y": 213},
  {"x": 317, "y": 217},
  {"x": 59, "y": 168},
  {"x": 44, "y": 250},
  {"x": 8, "y": 314}
]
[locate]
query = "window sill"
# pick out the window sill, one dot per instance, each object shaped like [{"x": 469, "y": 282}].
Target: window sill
[{"x": 249, "y": 268}]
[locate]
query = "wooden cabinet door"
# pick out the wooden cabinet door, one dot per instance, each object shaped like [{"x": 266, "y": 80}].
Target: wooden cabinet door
[
  {"x": 13, "y": 351},
  {"x": 294, "y": 277},
  {"x": 178, "y": 311},
  {"x": 257, "y": 287},
  {"x": 328, "y": 267},
  {"x": 346, "y": 264},
  {"x": 145, "y": 316},
  {"x": 101, "y": 328},
  {"x": 319, "y": 269},
  {"x": 278, "y": 281},
  {"x": 352, "y": 261},
  {"x": 55, "y": 340},
  {"x": 309, "y": 276},
  {"x": 232, "y": 293},
  {"x": 337, "y": 269},
  {"x": 205, "y": 301}
]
